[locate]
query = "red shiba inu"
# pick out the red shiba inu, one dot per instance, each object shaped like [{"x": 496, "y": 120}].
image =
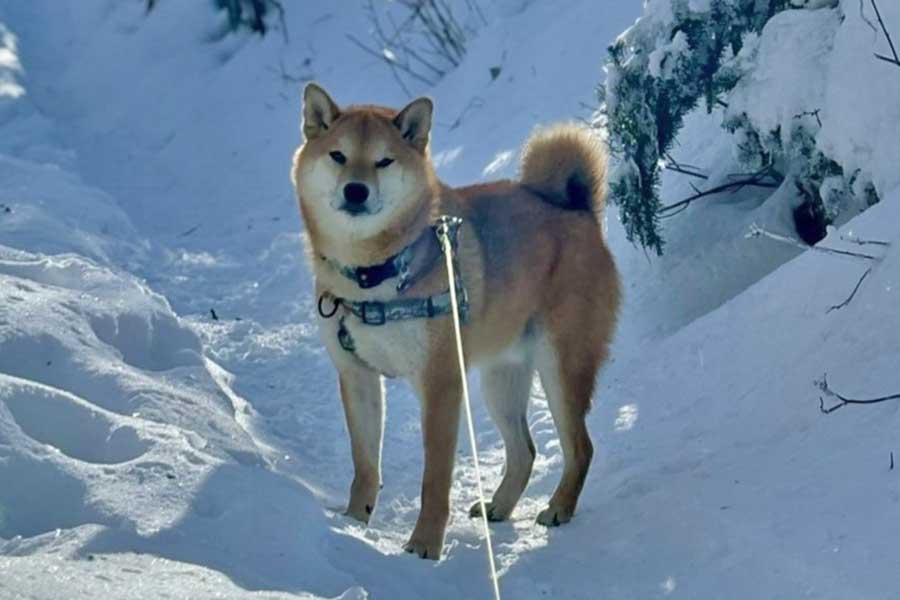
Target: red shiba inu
[{"x": 541, "y": 293}]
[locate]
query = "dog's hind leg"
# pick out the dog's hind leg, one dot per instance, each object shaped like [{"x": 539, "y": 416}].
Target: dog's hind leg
[
  {"x": 568, "y": 381},
  {"x": 506, "y": 390},
  {"x": 363, "y": 397}
]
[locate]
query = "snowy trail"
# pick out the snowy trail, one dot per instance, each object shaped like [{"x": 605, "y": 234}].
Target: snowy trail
[
  {"x": 715, "y": 473},
  {"x": 244, "y": 261}
]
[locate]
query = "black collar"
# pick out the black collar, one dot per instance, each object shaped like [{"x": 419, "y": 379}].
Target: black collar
[
  {"x": 408, "y": 265},
  {"x": 373, "y": 275}
]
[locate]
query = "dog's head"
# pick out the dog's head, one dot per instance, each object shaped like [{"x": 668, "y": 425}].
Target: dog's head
[{"x": 361, "y": 169}]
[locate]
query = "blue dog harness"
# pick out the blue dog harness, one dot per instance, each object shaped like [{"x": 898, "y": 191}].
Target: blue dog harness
[{"x": 376, "y": 313}]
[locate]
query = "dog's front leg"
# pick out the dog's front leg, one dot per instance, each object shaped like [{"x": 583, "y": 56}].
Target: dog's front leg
[
  {"x": 363, "y": 397},
  {"x": 440, "y": 392}
]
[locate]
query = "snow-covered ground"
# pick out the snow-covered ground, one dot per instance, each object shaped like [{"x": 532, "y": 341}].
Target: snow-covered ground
[{"x": 169, "y": 422}]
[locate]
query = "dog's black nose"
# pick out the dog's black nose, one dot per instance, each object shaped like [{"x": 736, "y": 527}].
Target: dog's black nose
[{"x": 356, "y": 193}]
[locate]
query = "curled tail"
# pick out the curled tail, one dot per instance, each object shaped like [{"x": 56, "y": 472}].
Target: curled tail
[{"x": 566, "y": 165}]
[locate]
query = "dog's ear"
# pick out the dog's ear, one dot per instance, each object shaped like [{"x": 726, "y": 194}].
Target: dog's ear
[
  {"x": 319, "y": 111},
  {"x": 414, "y": 122}
]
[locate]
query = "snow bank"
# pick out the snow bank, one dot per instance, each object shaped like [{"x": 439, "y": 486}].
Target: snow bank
[
  {"x": 125, "y": 462},
  {"x": 729, "y": 470}
]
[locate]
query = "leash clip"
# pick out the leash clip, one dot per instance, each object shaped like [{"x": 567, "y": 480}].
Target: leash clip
[
  {"x": 447, "y": 230},
  {"x": 447, "y": 226}
]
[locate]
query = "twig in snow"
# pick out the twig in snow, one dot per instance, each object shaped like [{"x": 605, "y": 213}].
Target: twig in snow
[
  {"x": 393, "y": 65},
  {"x": 892, "y": 460},
  {"x": 424, "y": 43},
  {"x": 290, "y": 78},
  {"x": 474, "y": 103},
  {"x": 860, "y": 242},
  {"x": 811, "y": 113},
  {"x": 284, "y": 29},
  {"x": 843, "y": 400},
  {"x": 188, "y": 231},
  {"x": 896, "y": 59},
  {"x": 757, "y": 231},
  {"x": 862, "y": 15},
  {"x": 852, "y": 294}
]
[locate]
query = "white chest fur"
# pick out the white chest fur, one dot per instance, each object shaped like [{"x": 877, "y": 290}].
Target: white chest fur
[{"x": 395, "y": 349}]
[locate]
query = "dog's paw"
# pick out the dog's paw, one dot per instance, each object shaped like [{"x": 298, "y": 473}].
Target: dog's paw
[
  {"x": 431, "y": 551},
  {"x": 360, "y": 512},
  {"x": 554, "y": 516},
  {"x": 363, "y": 494},
  {"x": 495, "y": 513}
]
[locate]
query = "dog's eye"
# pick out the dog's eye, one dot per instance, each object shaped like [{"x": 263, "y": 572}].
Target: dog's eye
[
  {"x": 338, "y": 157},
  {"x": 384, "y": 162}
]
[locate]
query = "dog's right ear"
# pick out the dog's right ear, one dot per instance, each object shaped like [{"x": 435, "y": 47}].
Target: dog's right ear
[{"x": 319, "y": 111}]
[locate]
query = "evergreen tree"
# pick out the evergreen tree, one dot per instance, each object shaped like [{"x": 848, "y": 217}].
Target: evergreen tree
[{"x": 659, "y": 70}]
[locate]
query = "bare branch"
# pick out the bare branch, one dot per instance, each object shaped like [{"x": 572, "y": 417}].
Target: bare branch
[
  {"x": 380, "y": 56},
  {"x": 843, "y": 401},
  {"x": 753, "y": 180},
  {"x": 683, "y": 168},
  {"x": 860, "y": 242},
  {"x": 289, "y": 77},
  {"x": 811, "y": 113},
  {"x": 887, "y": 59},
  {"x": 852, "y": 294},
  {"x": 475, "y": 102},
  {"x": 862, "y": 15},
  {"x": 423, "y": 42},
  {"x": 757, "y": 231},
  {"x": 284, "y": 29},
  {"x": 896, "y": 59},
  {"x": 684, "y": 171}
]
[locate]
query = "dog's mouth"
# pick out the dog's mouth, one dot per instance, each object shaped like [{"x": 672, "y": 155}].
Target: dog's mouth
[{"x": 355, "y": 209}]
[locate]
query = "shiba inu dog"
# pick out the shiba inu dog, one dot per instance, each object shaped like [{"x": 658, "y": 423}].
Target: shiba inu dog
[{"x": 540, "y": 287}]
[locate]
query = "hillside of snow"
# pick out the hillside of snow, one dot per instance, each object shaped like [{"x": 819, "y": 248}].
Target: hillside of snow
[{"x": 169, "y": 420}]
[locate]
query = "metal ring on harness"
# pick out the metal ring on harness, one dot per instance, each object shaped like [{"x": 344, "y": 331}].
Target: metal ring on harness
[{"x": 337, "y": 305}]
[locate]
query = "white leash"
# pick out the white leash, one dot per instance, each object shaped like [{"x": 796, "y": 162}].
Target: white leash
[{"x": 448, "y": 257}]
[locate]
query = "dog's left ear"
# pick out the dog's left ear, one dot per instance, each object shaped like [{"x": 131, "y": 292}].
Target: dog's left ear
[
  {"x": 414, "y": 122},
  {"x": 319, "y": 111}
]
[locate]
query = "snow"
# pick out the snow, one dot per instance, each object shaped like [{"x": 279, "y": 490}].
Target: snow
[
  {"x": 663, "y": 59},
  {"x": 794, "y": 41},
  {"x": 861, "y": 125},
  {"x": 814, "y": 63},
  {"x": 148, "y": 449}
]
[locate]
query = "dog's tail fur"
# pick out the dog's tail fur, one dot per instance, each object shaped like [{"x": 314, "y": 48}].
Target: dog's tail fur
[{"x": 566, "y": 165}]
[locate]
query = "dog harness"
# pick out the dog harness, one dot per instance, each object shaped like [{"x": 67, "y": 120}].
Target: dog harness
[{"x": 376, "y": 313}]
